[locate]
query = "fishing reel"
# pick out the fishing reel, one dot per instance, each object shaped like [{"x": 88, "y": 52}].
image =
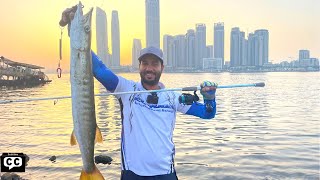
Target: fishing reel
[{"x": 188, "y": 99}]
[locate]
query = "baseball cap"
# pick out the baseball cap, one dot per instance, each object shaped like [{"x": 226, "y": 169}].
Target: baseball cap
[{"x": 151, "y": 50}]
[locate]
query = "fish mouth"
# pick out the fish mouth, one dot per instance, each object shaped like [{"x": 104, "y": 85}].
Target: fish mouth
[
  {"x": 82, "y": 19},
  {"x": 80, "y": 30}
]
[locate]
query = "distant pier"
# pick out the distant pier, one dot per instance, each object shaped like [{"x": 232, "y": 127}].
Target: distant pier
[{"x": 14, "y": 73}]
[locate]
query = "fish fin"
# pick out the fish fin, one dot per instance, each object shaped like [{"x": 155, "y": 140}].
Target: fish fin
[
  {"x": 98, "y": 135},
  {"x": 95, "y": 175},
  {"x": 73, "y": 139}
]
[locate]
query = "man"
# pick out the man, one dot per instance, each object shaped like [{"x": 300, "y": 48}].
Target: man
[{"x": 148, "y": 119}]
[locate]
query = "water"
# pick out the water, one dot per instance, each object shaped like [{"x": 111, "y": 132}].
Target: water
[{"x": 258, "y": 133}]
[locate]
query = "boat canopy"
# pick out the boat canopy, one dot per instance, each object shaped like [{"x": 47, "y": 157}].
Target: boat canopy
[{"x": 15, "y": 64}]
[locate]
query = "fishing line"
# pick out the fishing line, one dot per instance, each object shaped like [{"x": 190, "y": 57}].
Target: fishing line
[
  {"x": 194, "y": 88},
  {"x": 59, "y": 70}
]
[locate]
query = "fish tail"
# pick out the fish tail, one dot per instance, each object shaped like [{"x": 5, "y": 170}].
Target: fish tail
[
  {"x": 98, "y": 135},
  {"x": 94, "y": 175},
  {"x": 73, "y": 139}
]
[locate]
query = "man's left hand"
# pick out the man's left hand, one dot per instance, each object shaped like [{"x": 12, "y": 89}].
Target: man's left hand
[{"x": 208, "y": 90}]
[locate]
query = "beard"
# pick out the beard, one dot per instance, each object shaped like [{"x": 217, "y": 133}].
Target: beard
[{"x": 150, "y": 82}]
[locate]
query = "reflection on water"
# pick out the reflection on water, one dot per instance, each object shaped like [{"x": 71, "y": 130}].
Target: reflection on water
[{"x": 258, "y": 133}]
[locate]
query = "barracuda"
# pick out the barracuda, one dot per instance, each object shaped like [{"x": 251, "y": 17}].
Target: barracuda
[{"x": 86, "y": 131}]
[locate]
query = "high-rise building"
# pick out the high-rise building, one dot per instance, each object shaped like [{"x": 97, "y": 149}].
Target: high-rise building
[
  {"x": 243, "y": 49},
  {"x": 167, "y": 53},
  {"x": 102, "y": 36},
  {"x": 191, "y": 54},
  {"x": 136, "y": 48},
  {"x": 238, "y": 50},
  {"x": 175, "y": 50},
  {"x": 218, "y": 41},
  {"x": 200, "y": 44},
  {"x": 304, "y": 54},
  {"x": 209, "y": 51},
  {"x": 251, "y": 49},
  {"x": 115, "y": 38},
  {"x": 152, "y": 23},
  {"x": 172, "y": 61},
  {"x": 235, "y": 47},
  {"x": 258, "y": 48},
  {"x": 180, "y": 49},
  {"x": 263, "y": 46}
]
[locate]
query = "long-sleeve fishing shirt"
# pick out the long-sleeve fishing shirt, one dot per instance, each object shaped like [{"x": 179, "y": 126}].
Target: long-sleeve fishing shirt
[{"x": 147, "y": 146}]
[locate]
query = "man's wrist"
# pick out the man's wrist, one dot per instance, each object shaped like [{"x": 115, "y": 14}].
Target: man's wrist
[{"x": 209, "y": 100}]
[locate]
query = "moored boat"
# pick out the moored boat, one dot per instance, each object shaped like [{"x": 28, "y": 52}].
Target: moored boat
[{"x": 14, "y": 73}]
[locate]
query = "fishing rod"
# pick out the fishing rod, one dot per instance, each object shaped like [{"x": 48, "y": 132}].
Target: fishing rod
[{"x": 193, "y": 88}]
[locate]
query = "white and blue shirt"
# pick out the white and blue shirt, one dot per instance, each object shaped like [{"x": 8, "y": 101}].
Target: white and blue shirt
[{"x": 146, "y": 145}]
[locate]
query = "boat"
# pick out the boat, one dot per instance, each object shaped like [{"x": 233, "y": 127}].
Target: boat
[{"x": 13, "y": 73}]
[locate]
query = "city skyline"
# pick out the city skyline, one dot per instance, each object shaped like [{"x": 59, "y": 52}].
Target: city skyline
[{"x": 291, "y": 25}]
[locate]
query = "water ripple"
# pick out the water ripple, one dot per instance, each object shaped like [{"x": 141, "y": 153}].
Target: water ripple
[{"x": 258, "y": 133}]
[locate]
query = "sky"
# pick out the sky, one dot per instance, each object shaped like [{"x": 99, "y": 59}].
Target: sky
[{"x": 30, "y": 31}]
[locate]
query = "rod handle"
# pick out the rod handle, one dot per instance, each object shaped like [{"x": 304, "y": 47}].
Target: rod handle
[
  {"x": 189, "y": 89},
  {"x": 261, "y": 84}
]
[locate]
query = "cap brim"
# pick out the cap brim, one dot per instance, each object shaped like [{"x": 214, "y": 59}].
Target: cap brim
[{"x": 142, "y": 56}]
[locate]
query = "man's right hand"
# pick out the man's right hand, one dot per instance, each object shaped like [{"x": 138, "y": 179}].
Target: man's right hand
[{"x": 67, "y": 15}]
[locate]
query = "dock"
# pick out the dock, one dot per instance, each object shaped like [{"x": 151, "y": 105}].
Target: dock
[{"x": 14, "y": 73}]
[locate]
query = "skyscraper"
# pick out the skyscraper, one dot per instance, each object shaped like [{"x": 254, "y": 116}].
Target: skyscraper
[
  {"x": 172, "y": 61},
  {"x": 102, "y": 36},
  {"x": 209, "y": 51},
  {"x": 180, "y": 47},
  {"x": 258, "y": 48},
  {"x": 136, "y": 48},
  {"x": 251, "y": 49},
  {"x": 191, "y": 56},
  {"x": 200, "y": 45},
  {"x": 238, "y": 50},
  {"x": 218, "y": 41},
  {"x": 167, "y": 60},
  {"x": 152, "y": 23},
  {"x": 235, "y": 47},
  {"x": 243, "y": 49},
  {"x": 169, "y": 46},
  {"x": 115, "y": 38},
  {"x": 304, "y": 54},
  {"x": 263, "y": 46}
]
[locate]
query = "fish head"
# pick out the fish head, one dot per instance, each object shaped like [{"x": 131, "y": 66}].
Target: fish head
[{"x": 80, "y": 30}]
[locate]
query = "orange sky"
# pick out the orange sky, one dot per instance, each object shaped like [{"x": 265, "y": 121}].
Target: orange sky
[{"x": 30, "y": 33}]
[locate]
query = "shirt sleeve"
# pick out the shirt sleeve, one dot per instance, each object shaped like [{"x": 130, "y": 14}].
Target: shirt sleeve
[
  {"x": 124, "y": 85},
  {"x": 103, "y": 74},
  {"x": 199, "y": 109}
]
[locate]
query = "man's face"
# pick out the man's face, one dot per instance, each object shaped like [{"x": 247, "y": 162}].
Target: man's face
[{"x": 150, "y": 70}]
